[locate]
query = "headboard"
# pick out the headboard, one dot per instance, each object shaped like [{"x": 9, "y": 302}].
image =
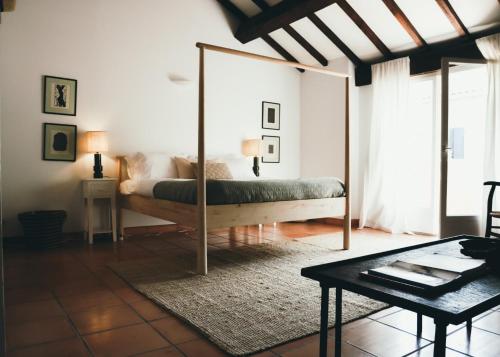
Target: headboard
[{"x": 122, "y": 169}]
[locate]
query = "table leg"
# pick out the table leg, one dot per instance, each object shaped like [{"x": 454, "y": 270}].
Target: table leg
[
  {"x": 419, "y": 325},
  {"x": 90, "y": 219},
  {"x": 323, "y": 332},
  {"x": 440, "y": 339},
  {"x": 469, "y": 328},
  {"x": 113, "y": 218},
  {"x": 338, "y": 322}
]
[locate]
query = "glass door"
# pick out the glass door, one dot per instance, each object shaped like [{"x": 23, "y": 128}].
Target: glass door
[{"x": 463, "y": 113}]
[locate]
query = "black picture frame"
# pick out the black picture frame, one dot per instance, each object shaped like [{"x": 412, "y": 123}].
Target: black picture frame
[
  {"x": 65, "y": 155},
  {"x": 73, "y": 85},
  {"x": 278, "y": 141},
  {"x": 265, "y": 120}
]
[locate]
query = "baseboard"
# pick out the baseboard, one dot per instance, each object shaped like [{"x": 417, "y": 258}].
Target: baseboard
[
  {"x": 19, "y": 242},
  {"x": 338, "y": 221}
]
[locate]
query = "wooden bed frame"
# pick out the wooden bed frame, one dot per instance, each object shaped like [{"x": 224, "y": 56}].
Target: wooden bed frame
[{"x": 204, "y": 218}]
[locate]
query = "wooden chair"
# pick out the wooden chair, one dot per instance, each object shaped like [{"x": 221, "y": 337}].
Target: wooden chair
[{"x": 490, "y": 213}]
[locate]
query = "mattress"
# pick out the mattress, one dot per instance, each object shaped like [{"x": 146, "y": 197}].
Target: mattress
[{"x": 221, "y": 192}]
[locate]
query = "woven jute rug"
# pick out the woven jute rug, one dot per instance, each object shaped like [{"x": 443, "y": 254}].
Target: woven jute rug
[{"x": 253, "y": 297}]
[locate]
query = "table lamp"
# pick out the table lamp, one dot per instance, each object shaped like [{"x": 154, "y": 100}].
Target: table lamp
[
  {"x": 97, "y": 142},
  {"x": 253, "y": 147}
]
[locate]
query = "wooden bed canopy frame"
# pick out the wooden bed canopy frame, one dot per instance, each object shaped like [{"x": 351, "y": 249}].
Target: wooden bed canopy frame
[{"x": 203, "y": 217}]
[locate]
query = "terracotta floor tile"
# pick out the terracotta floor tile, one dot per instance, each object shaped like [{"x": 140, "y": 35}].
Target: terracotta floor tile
[
  {"x": 30, "y": 294},
  {"x": 104, "y": 318},
  {"x": 490, "y": 322},
  {"x": 199, "y": 347},
  {"x": 126, "y": 341},
  {"x": 39, "y": 331},
  {"x": 86, "y": 301},
  {"x": 72, "y": 347},
  {"x": 175, "y": 330},
  {"x": 129, "y": 295},
  {"x": 381, "y": 340},
  {"x": 295, "y": 344},
  {"x": 78, "y": 287},
  {"x": 429, "y": 352},
  {"x": 30, "y": 311},
  {"x": 482, "y": 343},
  {"x": 164, "y": 352},
  {"x": 97, "y": 298},
  {"x": 149, "y": 310},
  {"x": 385, "y": 312},
  {"x": 311, "y": 349},
  {"x": 407, "y": 321}
]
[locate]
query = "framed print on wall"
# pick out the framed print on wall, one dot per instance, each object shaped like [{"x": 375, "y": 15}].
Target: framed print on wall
[
  {"x": 59, "y": 95},
  {"x": 59, "y": 142},
  {"x": 271, "y": 152},
  {"x": 270, "y": 115}
]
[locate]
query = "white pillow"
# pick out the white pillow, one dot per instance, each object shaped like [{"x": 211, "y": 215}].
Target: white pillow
[
  {"x": 240, "y": 167},
  {"x": 162, "y": 165},
  {"x": 138, "y": 167}
]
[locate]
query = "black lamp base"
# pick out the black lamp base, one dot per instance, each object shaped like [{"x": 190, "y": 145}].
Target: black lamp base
[
  {"x": 256, "y": 166},
  {"x": 97, "y": 166}
]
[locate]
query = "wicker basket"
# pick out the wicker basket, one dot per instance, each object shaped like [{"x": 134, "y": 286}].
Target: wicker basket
[{"x": 43, "y": 229}]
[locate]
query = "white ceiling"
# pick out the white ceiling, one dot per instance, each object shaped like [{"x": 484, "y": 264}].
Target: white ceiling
[{"x": 425, "y": 15}]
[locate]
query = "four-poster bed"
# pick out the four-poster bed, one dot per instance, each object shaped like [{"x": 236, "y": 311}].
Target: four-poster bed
[{"x": 205, "y": 217}]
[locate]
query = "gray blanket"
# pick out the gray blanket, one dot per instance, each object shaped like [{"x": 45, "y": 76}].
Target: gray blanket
[{"x": 221, "y": 192}]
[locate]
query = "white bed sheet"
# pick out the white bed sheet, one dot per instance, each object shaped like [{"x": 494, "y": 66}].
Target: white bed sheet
[{"x": 140, "y": 187}]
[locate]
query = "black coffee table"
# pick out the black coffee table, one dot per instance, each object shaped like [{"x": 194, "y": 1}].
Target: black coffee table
[{"x": 454, "y": 307}]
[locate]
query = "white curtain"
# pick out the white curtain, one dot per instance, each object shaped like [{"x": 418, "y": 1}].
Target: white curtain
[
  {"x": 490, "y": 49},
  {"x": 385, "y": 203}
]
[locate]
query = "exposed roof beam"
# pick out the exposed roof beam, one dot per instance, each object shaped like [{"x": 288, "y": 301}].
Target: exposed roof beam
[
  {"x": 450, "y": 13},
  {"x": 306, "y": 45},
  {"x": 240, "y": 15},
  {"x": 363, "y": 26},
  {"x": 335, "y": 39},
  {"x": 278, "y": 16},
  {"x": 405, "y": 22},
  {"x": 278, "y": 48},
  {"x": 296, "y": 36},
  {"x": 427, "y": 59}
]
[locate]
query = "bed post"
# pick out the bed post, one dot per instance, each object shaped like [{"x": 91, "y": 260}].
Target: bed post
[
  {"x": 201, "y": 199},
  {"x": 121, "y": 178},
  {"x": 347, "y": 216}
]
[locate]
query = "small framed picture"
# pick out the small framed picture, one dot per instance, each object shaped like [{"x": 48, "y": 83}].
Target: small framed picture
[
  {"x": 59, "y": 95},
  {"x": 270, "y": 115},
  {"x": 271, "y": 152},
  {"x": 59, "y": 142}
]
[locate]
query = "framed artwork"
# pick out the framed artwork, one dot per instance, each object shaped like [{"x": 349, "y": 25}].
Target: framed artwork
[
  {"x": 59, "y": 142},
  {"x": 59, "y": 95},
  {"x": 270, "y": 115},
  {"x": 271, "y": 152}
]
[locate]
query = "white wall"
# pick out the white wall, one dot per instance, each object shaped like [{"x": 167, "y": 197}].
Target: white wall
[
  {"x": 122, "y": 52},
  {"x": 323, "y": 127}
]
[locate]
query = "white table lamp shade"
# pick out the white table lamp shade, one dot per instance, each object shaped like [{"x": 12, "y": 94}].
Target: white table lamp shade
[
  {"x": 97, "y": 141},
  {"x": 252, "y": 147}
]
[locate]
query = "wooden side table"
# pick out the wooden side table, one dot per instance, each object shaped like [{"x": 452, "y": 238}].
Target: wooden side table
[{"x": 103, "y": 188}]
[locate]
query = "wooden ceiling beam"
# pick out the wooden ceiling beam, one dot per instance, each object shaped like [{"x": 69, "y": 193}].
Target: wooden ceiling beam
[
  {"x": 428, "y": 59},
  {"x": 335, "y": 39},
  {"x": 363, "y": 26},
  {"x": 278, "y": 16},
  {"x": 240, "y": 15},
  {"x": 405, "y": 22},
  {"x": 263, "y": 5},
  {"x": 452, "y": 16}
]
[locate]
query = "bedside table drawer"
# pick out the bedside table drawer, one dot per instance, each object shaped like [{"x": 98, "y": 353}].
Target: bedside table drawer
[{"x": 99, "y": 188}]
